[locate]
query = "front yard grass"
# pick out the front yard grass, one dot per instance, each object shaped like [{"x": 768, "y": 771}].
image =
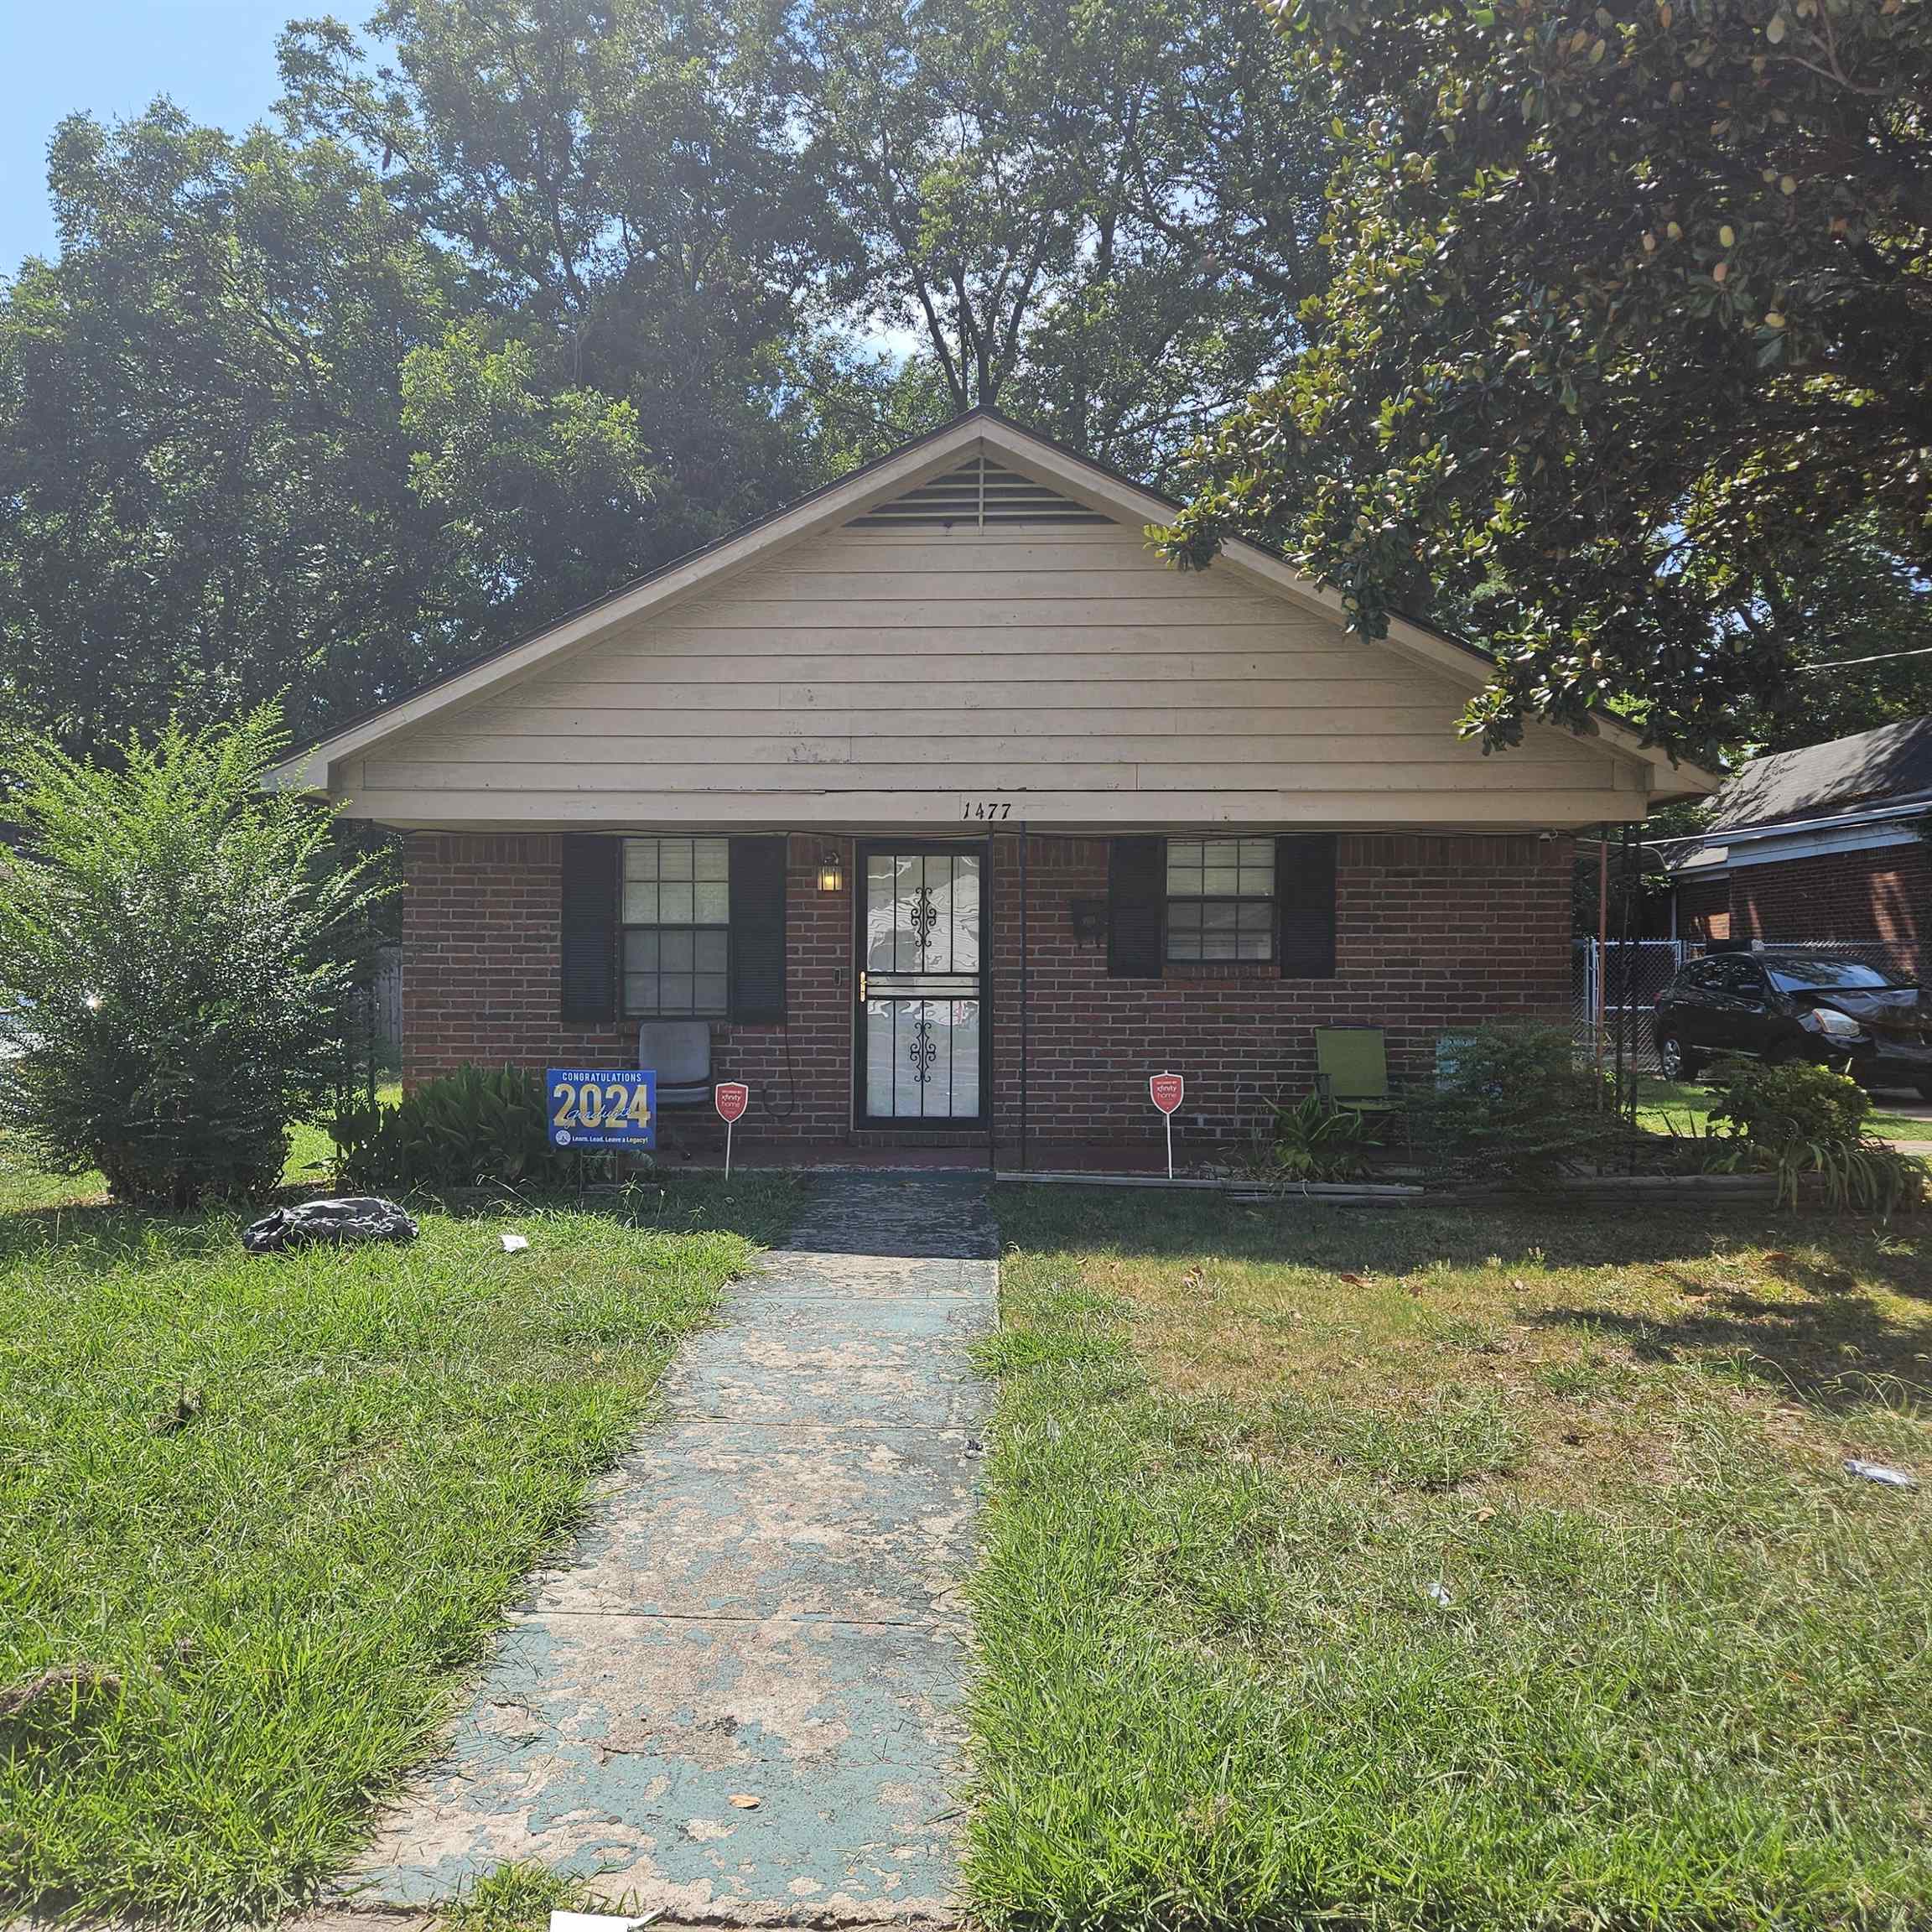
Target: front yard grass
[
  {"x": 262, "y": 1515},
  {"x": 1475, "y": 1569}
]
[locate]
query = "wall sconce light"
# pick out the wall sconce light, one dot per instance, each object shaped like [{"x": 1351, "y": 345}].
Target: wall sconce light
[
  {"x": 831, "y": 871},
  {"x": 1089, "y": 917}
]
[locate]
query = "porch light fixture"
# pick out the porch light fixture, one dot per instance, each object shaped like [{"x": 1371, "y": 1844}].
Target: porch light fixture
[{"x": 831, "y": 872}]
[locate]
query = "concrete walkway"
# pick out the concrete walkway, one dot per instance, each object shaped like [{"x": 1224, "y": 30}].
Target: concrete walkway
[{"x": 764, "y": 1607}]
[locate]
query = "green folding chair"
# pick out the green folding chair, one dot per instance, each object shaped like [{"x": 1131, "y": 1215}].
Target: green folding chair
[{"x": 1351, "y": 1070}]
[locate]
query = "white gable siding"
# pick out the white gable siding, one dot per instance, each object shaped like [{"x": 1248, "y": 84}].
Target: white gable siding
[{"x": 873, "y": 676}]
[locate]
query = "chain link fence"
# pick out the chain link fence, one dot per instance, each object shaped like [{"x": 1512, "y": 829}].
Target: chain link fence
[{"x": 1633, "y": 972}]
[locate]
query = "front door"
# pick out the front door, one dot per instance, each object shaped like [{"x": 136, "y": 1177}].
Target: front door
[{"x": 922, "y": 1059}]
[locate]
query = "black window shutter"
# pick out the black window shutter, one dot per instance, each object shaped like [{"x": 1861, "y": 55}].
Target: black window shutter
[
  {"x": 592, "y": 864},
  {"x": 1304, "y": 896},
  {"x": 1136, "y": 908},
  {"x": 758, "y": 931}
]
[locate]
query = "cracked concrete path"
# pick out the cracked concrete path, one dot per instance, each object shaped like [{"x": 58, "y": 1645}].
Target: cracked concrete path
[{"x": 763, "y": 1605}]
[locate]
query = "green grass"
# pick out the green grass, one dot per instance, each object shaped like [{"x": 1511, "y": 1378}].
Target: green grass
[
  {"x": 1684, "y": 1107},
  {"x": 266, "y": 1513},
  {"x": 1683, "y": 1674}
]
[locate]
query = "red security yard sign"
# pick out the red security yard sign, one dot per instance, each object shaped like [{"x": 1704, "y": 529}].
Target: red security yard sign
[
  {"x": 731, "y": 1097},
  {"x": 1165, "y": 1090}
]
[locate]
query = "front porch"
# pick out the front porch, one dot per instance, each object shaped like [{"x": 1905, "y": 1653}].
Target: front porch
[{"x": 1034, "y": 980}]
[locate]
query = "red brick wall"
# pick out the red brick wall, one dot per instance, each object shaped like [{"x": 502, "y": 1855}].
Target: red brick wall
[
  {"x": 479, "y": 978},
  {"x": 1881, "y": 898},
  {"x": 1432, "y": 932}
]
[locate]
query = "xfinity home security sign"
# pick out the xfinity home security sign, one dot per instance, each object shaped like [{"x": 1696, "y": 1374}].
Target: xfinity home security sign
[{"x": 593, "y": 1106}]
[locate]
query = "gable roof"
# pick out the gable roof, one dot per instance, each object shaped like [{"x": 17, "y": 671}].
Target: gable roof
[
  {"x": 939, "y": 458},
  {"x": 1889, "y": 766}
]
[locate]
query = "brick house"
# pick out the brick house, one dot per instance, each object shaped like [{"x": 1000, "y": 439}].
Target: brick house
[
  {"x": 954, "y": 813},
  {"x": 1820, "y": 845}
]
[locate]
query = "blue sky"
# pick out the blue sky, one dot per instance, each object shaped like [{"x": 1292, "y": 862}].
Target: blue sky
[{"x": 215, "y": 59}]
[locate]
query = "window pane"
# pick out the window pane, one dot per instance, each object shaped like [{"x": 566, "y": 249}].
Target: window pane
[
  {"x": 1222, "y": 879},
  {"x": 1218, "y": 946},
  {"x": 711, "y": 859},
  {"x": 1255, "y": 946},
  {"x": 1218, "y": 918},
  {"x": 641, "y": 952},
  {"x": 640, "y": 992},
  {"x": 710, "y": 992},
  {"x": 1259, "y": 854},
  {"x": 674, "y": 994},
  {"x": 675, "y": 858},
  {"x": 674, "y": 905},
  {"x": 1254, "y": 915},
  {"x": 711, "y": 952},
  {"x": 714, "y": 905},
  {"x": 1184, "y": 867},
  {"x": 640, "y": 905},
  {"x": 640, "y": 858}
]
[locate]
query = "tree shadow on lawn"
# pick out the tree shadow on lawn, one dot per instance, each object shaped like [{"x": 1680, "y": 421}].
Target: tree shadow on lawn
[
  {"x": 1830, "y": 1349},
  {"x": 1551, "y": 1233}
]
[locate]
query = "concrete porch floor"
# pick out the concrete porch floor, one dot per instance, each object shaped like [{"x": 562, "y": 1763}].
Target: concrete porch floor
[{"x": 827, "y": 1156}]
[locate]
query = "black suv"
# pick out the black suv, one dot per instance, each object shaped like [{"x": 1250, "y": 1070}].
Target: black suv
[{"x": 1786, "y": 1003}]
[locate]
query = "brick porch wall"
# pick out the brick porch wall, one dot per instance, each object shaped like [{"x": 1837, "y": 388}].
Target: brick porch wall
[{"x": 1431, "y": 933}]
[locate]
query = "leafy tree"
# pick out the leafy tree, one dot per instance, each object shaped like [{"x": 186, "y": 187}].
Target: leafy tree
[
  {"x": 204, "y": 491},
  {"x": 1627, "y": 298},
  {"x": 641, "y": 237},
  {"x": 177, "y": 936},
  {"x": 1101, "y": 218}
]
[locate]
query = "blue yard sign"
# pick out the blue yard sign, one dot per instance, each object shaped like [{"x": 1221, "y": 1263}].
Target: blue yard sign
[{"x": 593, "y": 1106}]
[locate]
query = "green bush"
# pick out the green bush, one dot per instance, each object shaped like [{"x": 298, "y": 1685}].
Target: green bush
[
  {"x": 474, "y": 1126},
  {"x": 1308, "y": 1140},
  {"x": 1803, "y": 1121},
  {"x": 1792, "y": 1100},
  {"x": 176, "y": 939},
  {"x": 1512, "y": 1103}
]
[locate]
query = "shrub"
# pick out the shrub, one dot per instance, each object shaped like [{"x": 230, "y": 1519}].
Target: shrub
[
  {"x": 474, "y": 1126},
  {"x": 178, "y": 937},
  {"x": 1513, "y": 1103},
  {"x": 1802, "y": 1120},
  {"x": 1792, "y": 1100},
  {"x": 1308, "y": 1140}
]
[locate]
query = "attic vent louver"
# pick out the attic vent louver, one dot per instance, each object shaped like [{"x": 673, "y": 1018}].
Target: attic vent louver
[{"x": 977, "y": 493}]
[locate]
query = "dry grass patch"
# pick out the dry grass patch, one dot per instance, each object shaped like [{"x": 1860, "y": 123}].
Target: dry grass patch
[
  {"x": 1392, "y": 1347},
  {"x": 1490, "y": 1570}
]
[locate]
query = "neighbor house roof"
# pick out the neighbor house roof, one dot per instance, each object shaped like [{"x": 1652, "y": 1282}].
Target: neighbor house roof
[
  {"x": 1855, "y": 794},
  {"x": 915, "y": 464},
  {"x": 1890, "y": 765}
]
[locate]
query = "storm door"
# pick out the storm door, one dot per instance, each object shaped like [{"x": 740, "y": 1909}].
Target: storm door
[{"x": 921, "y": 1037}]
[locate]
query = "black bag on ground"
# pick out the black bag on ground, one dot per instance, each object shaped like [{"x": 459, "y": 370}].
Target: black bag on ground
[{"x": 359, "y": 1218}]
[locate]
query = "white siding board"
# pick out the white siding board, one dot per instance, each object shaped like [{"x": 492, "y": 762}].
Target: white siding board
[{"x": 1073, "y": 671}]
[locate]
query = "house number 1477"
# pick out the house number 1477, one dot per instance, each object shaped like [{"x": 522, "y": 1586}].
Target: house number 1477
[{"x": 985, "y": 807}]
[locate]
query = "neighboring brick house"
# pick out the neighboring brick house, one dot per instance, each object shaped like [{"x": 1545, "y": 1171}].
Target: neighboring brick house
[
  {"x": 951, "y": 811},
  {"x": 1822, "y": 845}
]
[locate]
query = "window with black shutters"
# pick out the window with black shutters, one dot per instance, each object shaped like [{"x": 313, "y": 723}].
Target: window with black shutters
[
  {"x": 677, "y": 928},
  {"x": 1220, "y": 899}
]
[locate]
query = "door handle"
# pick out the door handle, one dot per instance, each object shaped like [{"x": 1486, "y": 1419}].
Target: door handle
[{"x": 861, "y": 982}]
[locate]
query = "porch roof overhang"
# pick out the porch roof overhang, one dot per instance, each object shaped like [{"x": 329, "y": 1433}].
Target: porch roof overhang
[{"x": 1646, "y": 775}]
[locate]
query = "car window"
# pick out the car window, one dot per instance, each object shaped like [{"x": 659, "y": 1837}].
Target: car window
[
  {"x": 1808, "y": 975},
  {"x": 1739, "y": 978}
]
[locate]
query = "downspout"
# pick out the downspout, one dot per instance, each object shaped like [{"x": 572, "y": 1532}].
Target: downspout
[
  {"x": 1025, "y": 948},
  {"x": 1603, "y": 936}
]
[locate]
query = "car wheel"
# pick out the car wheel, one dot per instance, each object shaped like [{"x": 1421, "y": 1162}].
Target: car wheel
[
  {"x": 1677, "y": 1061},
  {"x": 1925, "y": 1089}
]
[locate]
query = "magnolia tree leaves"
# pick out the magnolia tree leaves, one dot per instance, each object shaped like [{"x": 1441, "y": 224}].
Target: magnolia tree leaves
[{"x": 1630, "y": 313}]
